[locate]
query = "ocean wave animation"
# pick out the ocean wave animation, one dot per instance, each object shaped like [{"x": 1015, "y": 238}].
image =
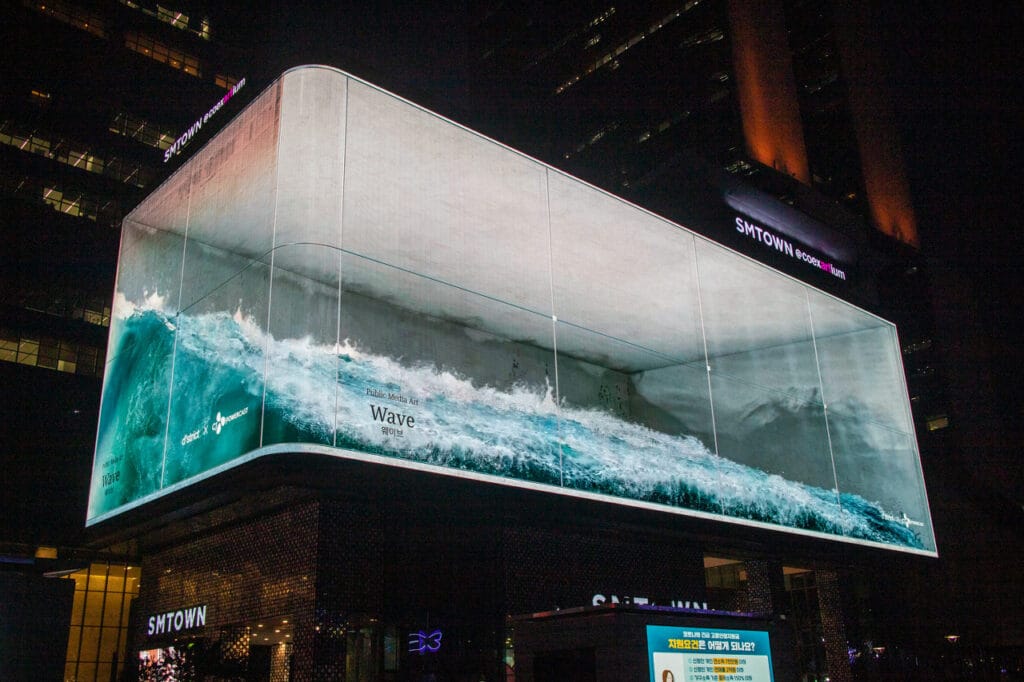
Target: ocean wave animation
[{"x": 342, "y": 396}]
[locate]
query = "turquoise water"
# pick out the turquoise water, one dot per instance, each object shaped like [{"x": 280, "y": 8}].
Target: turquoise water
[{"x": 345, "y": 397}]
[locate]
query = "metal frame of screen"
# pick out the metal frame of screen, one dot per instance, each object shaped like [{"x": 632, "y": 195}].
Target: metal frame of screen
[{"x": 340, "y": 271}]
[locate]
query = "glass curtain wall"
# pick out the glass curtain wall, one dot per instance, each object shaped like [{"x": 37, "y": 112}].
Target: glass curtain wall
[{"x": 99, "y": 620}]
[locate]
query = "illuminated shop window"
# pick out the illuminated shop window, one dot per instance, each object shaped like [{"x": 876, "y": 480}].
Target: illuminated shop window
[
  {"x": 97, "y": 640},
  {"x": 160, "y": 52},
  {"x": 69, "y": 14},
  {"x": 137, "y": 129},
  {"x": 724, "y": 574}
]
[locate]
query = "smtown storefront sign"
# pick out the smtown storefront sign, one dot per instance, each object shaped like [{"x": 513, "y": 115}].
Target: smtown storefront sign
[
  {"x": 784, "y": 246},
  {"x": 177, "y": 621},
  {"x": 187, "y": 136}
]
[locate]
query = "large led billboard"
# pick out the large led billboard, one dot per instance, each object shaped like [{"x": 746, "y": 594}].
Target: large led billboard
[{"x": 339, "y": 271}]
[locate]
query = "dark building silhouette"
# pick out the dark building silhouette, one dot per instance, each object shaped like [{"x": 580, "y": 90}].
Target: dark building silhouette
[{"x": 95, "y": 92}]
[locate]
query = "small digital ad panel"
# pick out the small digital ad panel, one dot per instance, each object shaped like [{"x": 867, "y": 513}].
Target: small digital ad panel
[{"x": 686, "y": 654}]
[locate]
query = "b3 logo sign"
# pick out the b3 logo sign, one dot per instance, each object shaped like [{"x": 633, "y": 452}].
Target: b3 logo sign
[{"x": 421, "y": 642}]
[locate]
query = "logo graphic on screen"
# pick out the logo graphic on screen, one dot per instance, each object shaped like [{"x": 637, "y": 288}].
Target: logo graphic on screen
[
  {"x": 219, "y": 421},
  {"x": 421, "y": 642}
]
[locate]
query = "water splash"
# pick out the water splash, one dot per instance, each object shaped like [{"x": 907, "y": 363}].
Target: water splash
[{"x": 322, "y": 392}]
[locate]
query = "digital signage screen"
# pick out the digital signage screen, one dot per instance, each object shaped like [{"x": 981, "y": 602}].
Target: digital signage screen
[
  {"x": 341, "y": 272},
  {"x": 687, "y": 654}
]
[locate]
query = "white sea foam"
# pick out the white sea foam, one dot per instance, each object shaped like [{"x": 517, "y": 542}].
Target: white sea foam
[{"x": 326, "y": 389}]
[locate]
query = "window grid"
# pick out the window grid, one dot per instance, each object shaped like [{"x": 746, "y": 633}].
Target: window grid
[
  {"x": 74, "y": 155},
  {"x": 226, "y": 82},
  {"x": 159, "y": 52},
  {"x": 47, "y": 352},
  {"x": 105, "y": 211},
  {"x": 175, "y": 18},
  {"x": 73, "y": 304},
  {"x": 142, "y": 131},
  {"x": 99, "y": 620},
  {"x": 69, "y": 14},
  {"x": 73, "y": 202}
]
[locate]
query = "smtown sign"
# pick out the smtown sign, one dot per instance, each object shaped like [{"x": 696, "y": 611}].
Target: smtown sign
[
  {"x": 177, "y": 621},
  {"x": 187, "y": 136},
  {"x": 783, "y": 245}
]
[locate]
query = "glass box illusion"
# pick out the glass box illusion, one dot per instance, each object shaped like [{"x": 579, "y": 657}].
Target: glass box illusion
[{"x": 342, "y": 272}]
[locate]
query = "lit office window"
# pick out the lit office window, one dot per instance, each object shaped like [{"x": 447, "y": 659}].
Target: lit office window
[
  {"x": 81, "y": 159},
  {"x": 69, "y": 303},
  {"x": 159, "y": 52},
  {"x": 40, "y": 98},
  {"x": 226, "y": 82},
  {"x": 69, "y": 14},
  {"x": 70, "y": 201},
  {"x": 74, "y": 155},
  {"x": 129, "y": 172},
  {"x": 175, "y": 18},
  {"x": 97, "y": 640},
  {"x": 137, "y": 129},
  {"x": 594, "y": 138},
  {"x": 610, "y": 58},
  {"x": 663, "y": 126},
  {"x": 92, "y": 310},
  {"x": 49, "y": 353}
]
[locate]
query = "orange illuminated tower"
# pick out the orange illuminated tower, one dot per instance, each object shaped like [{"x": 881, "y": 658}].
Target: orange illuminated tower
[
  {"x": 770, "y": 110},
  {"x": 632, "y": 96}
]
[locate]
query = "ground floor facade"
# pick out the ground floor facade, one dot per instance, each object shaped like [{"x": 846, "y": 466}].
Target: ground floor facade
[{"x": 404, "y": 575}]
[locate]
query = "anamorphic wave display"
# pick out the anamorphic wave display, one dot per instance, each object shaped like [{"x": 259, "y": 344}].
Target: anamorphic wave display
[{"x": 353, "y": 399}]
